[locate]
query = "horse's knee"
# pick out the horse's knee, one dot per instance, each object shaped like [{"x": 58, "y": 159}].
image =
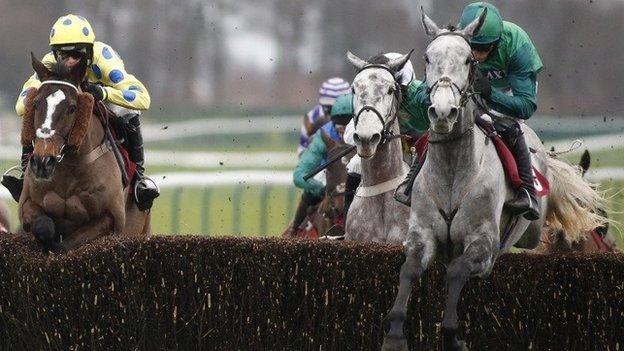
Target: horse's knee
[{"x": 42, "y": 228}]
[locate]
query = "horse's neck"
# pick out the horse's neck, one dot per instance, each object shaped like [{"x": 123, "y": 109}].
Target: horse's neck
[
  {"x": 94, "y": 136},
  {"x": 386, "y": 164},
  {"x": 455, "y": 164}
]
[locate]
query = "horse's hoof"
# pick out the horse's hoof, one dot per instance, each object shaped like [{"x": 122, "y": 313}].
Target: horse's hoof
[
  {"x": 394, "y": 343},
  {"x": 42, "y": 228}
]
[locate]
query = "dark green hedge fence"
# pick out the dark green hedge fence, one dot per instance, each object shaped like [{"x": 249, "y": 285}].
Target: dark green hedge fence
[{"x": 188, "y": 293}]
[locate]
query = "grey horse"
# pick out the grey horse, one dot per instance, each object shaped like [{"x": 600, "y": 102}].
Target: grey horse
[
  {"x": 374, "y": 215},
  {"x": 458, "y": 214}
]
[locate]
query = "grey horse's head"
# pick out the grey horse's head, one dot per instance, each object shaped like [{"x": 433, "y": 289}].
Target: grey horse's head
[
  {"x": 376, "y": 97},
  {"x": 449, "y": 61}
]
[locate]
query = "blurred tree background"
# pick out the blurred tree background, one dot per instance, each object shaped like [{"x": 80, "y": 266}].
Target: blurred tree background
[{"x": 261, "y": 54}]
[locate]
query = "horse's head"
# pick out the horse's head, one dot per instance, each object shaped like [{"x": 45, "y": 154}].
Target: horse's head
[
  {"x": 57, "y": 116},
  {"x": 449, "y": 71},
  {"x": 335, "y": 176},
  {"x": 376, "y": 99}
]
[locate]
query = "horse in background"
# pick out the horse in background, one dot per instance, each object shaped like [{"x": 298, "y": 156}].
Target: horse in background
[
  {"x": 73, "y": 190},
  {"x": 330, "y": 211},
  {"x": 598, "y": 239},
  {"x": 374, "y": 214},
  {"x": 459, "y": 216}
]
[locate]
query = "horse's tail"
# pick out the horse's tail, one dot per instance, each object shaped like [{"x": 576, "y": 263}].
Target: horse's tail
[{"x": 573, "y": 202}]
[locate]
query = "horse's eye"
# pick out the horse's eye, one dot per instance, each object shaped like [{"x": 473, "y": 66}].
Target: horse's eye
[
  {"x": 71, "y": 109},
  {"x": 468, "y": 60},
  {"x": 426, "y": 59},
  {"x": 390, "y": 90}
]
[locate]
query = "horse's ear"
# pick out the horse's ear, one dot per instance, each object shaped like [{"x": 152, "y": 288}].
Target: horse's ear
[
  {"x": 585, "y": 161},
  {"x": 473, "y": 27},
  {"x": 398, "y": 63},
  {"x": 42, "y": 71},
  {"x": 84, "y": 109},
  {"x": 355, "y": 61},
  {"x": 28, "y": 120},
  {"x": 431, "y": 28}
]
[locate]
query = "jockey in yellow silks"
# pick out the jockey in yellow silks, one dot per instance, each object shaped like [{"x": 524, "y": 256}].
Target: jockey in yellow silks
[{"x": 72, "y": 39}]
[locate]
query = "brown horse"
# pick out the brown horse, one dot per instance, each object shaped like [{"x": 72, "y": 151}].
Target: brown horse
[
  {"x": 329, "y": 211},
  {"x": 73, "y": 189}
]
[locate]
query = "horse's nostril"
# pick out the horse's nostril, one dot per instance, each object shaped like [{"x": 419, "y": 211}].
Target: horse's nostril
[{"x": 454, "y": 111}]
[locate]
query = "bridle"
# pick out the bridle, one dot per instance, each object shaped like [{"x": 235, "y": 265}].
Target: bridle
[
  {"x": 386, "y": 132},
  {"x": 61, "y": 154},
  {"x": 467, "y": 92}
]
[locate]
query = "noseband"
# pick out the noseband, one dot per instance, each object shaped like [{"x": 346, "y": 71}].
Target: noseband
[{"x": 386, "y": 133}]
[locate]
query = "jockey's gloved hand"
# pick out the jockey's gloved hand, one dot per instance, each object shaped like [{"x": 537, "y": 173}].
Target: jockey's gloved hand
[
  {"x": 482, "y": 84},
  {"x": 98, "y": 92}
]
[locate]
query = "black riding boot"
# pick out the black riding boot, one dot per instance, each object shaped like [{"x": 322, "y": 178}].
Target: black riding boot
[
  {"x": 145, "y": 190},
  {"x": 403, "y": 192},
  {"x": 15, "y": 184},
  {"x": 307, "y": 200},
  {"x": 526, "y": 202}
]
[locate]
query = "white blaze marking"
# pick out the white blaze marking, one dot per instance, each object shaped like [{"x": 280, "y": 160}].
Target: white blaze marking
[{"x": 46, "y": 131}]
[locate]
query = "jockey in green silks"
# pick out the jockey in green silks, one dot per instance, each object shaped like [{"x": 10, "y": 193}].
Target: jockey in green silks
[
  {"x": 508, "y": 67},
  {"x": 315, "y": 155}
]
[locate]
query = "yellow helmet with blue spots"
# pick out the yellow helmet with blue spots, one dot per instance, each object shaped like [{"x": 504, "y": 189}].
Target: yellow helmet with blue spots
[{"x": 71, "y": 29}]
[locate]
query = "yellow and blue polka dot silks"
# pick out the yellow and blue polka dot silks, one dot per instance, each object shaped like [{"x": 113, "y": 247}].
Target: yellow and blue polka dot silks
[{"x": 107, "y": 68}]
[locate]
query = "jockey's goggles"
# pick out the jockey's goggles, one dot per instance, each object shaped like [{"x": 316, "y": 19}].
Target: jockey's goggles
[
  {"x": 70, "y": 51},
  {"x": 481, "y": 47}
]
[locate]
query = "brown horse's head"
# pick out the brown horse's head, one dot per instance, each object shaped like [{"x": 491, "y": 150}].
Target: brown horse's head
[
  {"x": 57, "y": 116},
  {"x": 335, "y": 176}
]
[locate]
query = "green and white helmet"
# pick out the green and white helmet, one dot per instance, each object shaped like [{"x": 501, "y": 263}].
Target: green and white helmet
[
  {"x": 342, "y": 110},
  {"x": 492, "y": 28}
]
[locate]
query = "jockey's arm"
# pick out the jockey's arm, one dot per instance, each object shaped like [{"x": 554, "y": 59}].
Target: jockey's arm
[
  {"x": 33, "y": 82},
  {"x": 415, "y": 104},
  {"x": 122, "y": 88},
  {"x": 522, "y": 79},
  {"x": 523, "y": 103},
  {"x": 310, "y": 159}
]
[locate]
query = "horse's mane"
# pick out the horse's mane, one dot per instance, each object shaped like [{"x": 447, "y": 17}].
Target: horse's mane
[
  {"x": 379, "y": 59},
  {"x": 451, "y": 27}
]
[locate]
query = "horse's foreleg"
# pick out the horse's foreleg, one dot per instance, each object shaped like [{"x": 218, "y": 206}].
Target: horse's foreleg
[
  {"x": 35, "y": 221},
  {"x": 416, "y": 262},
  {"x": 476, "y": 259},
  {"x": 89, "y": 232}
]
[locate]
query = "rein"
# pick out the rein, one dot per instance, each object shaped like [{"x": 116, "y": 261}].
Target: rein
[{"x": 386, "y": 133}]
